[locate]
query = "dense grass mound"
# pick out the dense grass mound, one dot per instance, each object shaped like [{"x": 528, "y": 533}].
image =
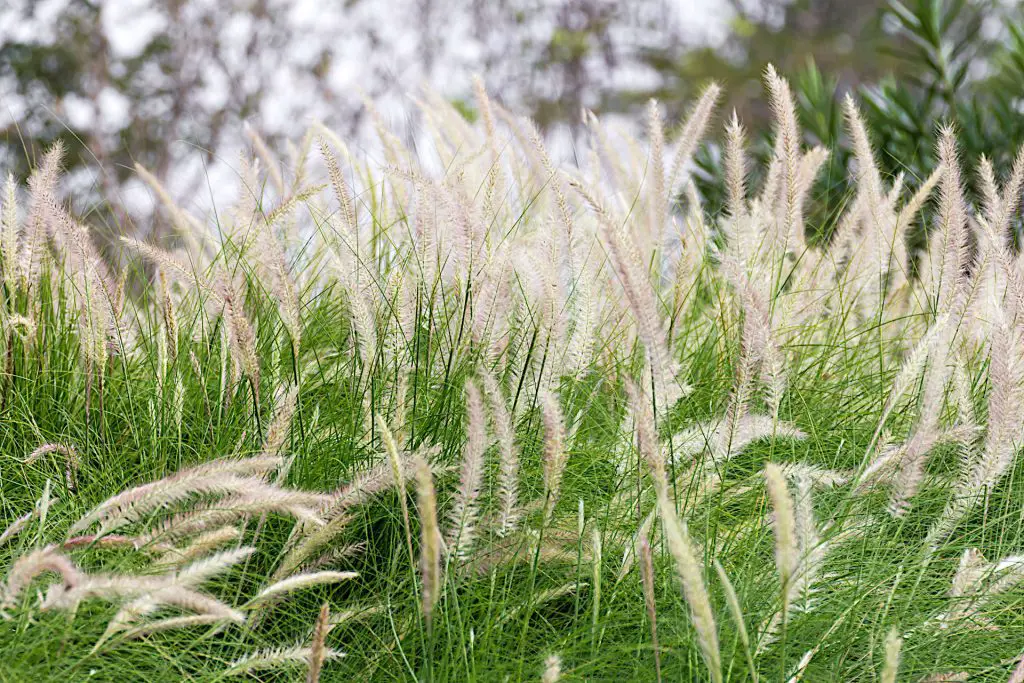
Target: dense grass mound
[{"x": 509, "y": 420}]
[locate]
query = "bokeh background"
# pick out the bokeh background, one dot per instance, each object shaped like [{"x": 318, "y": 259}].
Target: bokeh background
[{"x": 172, "y": 83}]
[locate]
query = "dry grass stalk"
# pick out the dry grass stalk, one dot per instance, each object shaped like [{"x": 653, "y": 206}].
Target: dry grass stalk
[
  {"x": 464, "y": 509},
  {"x": 555, "y": 455},
  {"x": 786, "y": 554},
  {"x": 1018, "y": 672},
  {"x": 692, "y": 133},
  {"x": 786, "y": 161},
  {"x": 430, "y": 539},
  {"x": 399, "y": 475},
  {"x": 688, "y": 568},
  {"x": 647, "y": 581},
  {"x": 735, "y": 168},
  {"x": 642, "y": 304},
  {"x": 72, "y": 463},
  {"x": 223, "y": 476},
  {"x": 200, "y": 545},
  {"x": 17, "y": 526},
  {"x": 508, "y": 478},
  {"x": 893, "y": 643},
  {"x": 171, "y": 624},
  {"x": 42, "y": 186},
  {"x": 31, "y": 565},
  {"x": 318, "y": 648},
  {"x": 300, "y": 582},
  {"x": 10, "y": 246},
  {"x": 276, "y": 658},
  {"x": 552, "y": 669}
]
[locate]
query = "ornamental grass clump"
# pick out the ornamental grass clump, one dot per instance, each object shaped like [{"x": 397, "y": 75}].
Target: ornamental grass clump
[{"x": 401, "y": 417}]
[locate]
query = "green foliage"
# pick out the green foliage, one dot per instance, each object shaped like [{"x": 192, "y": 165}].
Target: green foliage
[{"x": 942, "y": 70}]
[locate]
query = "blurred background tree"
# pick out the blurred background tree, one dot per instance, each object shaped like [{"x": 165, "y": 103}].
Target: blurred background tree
[
  {"x": 912, "y": 65},
  {"x": 169, "y": 83}
]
